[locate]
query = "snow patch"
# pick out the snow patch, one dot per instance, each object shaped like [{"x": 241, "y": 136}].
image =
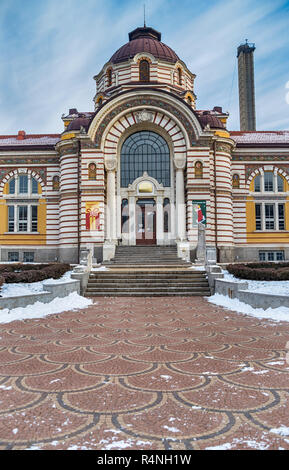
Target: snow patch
[
  {"x": 265, "y": 287},
  {"x": 26, "y": 288},
  {"x": 283, "y": 430},
  {"x": 72, "y": 301},
  {"x": 276, "y": 314}
]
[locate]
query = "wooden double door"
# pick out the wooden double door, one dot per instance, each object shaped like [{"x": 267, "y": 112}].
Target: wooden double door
[{"x": 145, "y": 222}]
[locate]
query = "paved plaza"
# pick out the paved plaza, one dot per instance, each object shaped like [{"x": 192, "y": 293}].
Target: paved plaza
[{"x": 143, "y": 373}]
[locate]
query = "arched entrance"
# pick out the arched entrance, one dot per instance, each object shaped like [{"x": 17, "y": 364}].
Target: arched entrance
[{"x": 145, "y": 183}]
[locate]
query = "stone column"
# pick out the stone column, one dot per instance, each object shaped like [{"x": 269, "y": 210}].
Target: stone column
[
  {"x": 110, "y": 166},
  {"x": 180, "y": 199},
  {"x": 131, "y": 211},
  {"x": 160, "y": 220}
]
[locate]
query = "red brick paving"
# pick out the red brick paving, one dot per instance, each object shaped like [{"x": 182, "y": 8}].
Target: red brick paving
[{"x": 140, "y": 373}]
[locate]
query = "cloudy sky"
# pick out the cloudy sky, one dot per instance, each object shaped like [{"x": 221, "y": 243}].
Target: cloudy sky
[{"x": 51, "y": 49}]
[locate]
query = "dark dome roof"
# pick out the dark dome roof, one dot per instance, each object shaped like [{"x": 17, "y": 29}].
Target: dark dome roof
[
  {"x": 213, "y": 121},
  {"x": 144, "y": 40},
  {"x": 77, "y": 123}
]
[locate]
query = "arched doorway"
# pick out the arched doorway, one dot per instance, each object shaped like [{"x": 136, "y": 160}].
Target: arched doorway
[{"x": 145, "y": 182}]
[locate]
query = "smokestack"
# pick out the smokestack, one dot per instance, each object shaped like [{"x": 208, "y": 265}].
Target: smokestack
[{"x": 246, "y": 87}]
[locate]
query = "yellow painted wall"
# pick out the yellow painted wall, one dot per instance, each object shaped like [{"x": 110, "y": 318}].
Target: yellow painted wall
[
  {"x": 19, "y": 238},
  {"x": 267, "y": 237}
]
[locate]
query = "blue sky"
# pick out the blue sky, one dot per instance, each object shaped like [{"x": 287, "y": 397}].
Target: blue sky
[{"x": 51, "y": 49}]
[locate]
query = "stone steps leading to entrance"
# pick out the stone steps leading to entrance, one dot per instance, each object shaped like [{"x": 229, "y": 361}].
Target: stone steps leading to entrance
[{"x": 147, "y": 272}]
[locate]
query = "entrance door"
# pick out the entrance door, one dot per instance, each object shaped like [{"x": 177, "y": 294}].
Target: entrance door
[{"x": 145, "y": 222}]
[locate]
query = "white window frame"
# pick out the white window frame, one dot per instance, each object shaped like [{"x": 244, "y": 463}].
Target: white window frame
[
  {"x": 29, "y": 194},
  {"x": 275, "y": 218},
  {"x": 30, "y": 222},
  {"x": 267, "y": 254},
  {"x": 275, "y": 182}
]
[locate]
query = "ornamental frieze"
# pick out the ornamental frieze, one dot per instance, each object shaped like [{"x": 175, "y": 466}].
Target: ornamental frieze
[
  {"x": 223, "y": 148},
  {"x": 71, "y": 149},
  {"x": 87, "y": 145},
  {"x": 143, "y": 101},
  {"x": 28, "y": 161},
  {"x": 260, "y": 158}
]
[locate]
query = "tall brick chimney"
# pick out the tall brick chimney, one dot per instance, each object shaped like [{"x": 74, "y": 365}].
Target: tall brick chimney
[{"x": 246, "y": 87}]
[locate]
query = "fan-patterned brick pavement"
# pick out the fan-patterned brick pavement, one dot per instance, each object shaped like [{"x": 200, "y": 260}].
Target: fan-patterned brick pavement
[{"x": 144, "y": 373}]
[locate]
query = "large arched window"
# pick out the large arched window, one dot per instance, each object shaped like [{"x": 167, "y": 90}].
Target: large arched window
[
  {"x": 144, "y": 71},
  {"x": 145, "y": 151}
]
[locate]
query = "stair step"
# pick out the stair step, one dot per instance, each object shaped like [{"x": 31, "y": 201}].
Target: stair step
[
  {"x": 147, "y": 294},
  {"x": 152, "y": 289},
  {"x": 131, "y": 284}
]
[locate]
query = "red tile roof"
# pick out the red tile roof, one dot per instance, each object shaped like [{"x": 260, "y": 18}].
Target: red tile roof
[
  {"x": 260, "y": 137},
  {"x": 29, "y": 140}
]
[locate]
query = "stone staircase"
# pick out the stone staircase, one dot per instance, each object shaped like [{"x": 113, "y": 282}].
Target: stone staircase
[
  {"x": 146, "y": 256},
  {"x": 147, "y": 271}
]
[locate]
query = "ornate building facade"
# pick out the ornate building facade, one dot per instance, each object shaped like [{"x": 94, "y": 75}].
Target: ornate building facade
[{"x": 145, "y": 167}]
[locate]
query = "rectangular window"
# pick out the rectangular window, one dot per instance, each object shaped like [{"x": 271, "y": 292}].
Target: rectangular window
[
  {"x": 281, "y": 216},
  {"x": 280, "y": 183},
  {"x": 22, "y": 218},
  {"x": 257, "y": 184},
  {"x": 34, "y": 219},
  {"x": 271, "y": 255},
  {"x": 11, "y": 219},
  {"x": 34, "y": 186},
  {"x": 269, "y": 217},
  {"x": 13, "y": 256},
  {"x": 268, "y": 181},
  {"x": 23, "y": 184},
  {"x": 28, "y": 257},
  {"x": 12, "y": 186},
  {"x": 258, "y": 216},
  {"x": 279, "y": 255}
]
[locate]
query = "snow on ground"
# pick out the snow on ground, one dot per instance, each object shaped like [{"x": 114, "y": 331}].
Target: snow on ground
[
  {"x": 26, "y": 288},
  {"x": 197, "y": 267},
  {"x": 266, "y": 287},
  {"x": 276, "y": 314},
  {"x": 99, "y": 268},
  {"x": 72, "y": 301}
]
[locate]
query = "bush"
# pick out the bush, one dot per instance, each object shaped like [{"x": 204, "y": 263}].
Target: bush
[
  {"x": 35, "y": 273},
  {"x": 260, "y": 271}
]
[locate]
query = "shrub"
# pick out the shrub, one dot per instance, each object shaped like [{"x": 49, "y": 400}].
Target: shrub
[
  {"x": 260, "y": 271},
  {"x": 37, "y": 273}
]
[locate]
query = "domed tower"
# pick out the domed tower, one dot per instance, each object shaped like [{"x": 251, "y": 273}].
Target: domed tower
[{"x": 144, "y": 61}]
